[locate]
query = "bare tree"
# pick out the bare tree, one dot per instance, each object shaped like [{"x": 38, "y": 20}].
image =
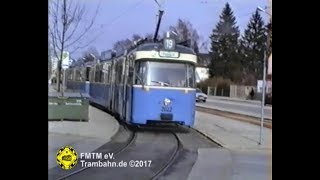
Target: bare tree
[
  {"x": 67, "y": 28},
  {"x": 204, "y": 46},
  {"x": 91, "y": 54},
  {"x": 91, "y": 50},
  {"x": 136, "y": 37},
  {"x": 49, "y": 58},
  {"x": 185, "y": 31},
  {"x": 149, "y": 37},
  {"x": 122, "y": 45}
]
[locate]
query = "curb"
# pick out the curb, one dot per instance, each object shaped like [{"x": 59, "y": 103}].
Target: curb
[
  {"x": 256, "y": 102},
  {"x": 235, "y": 116},
  {"x": 208, "y": 137}
]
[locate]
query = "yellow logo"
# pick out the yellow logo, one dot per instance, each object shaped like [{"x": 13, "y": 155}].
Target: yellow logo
[{"x": 67, "y": 157}]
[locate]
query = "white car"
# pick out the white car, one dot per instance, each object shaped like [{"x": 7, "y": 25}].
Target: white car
[{"x": 200, "y": 96}]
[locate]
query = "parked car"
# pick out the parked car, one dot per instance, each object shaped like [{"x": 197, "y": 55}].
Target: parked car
[{"x": 200, "y": 96}]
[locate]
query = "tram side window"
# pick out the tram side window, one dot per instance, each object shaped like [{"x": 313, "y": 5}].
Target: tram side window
[
  {"x": 73, "y": 75},
  {"x": 105, "y": 75},
  {"x": 83, "y": 74},
  {"x": 69, "y": 72},
  {"x": 123, "y": 69},
  {"x": 140, "y": 68},
  {"x": 115, "y": 74},
  {"x": 127, "y": 79},
  {"x": 109, "y": 74},
  {"x": 112, "y": 74},
  {"x": 92, "y": 73},
  {"x": 119, "y": 72},
  {"x": 78, "y": 75},
  {"x": 87, "y": 73},
  {"x": 130, "y": 76},
  {"x": 97, "y": 75},
  {"x": 191, "y": 76},
  {"x": 101, "y": 76}
]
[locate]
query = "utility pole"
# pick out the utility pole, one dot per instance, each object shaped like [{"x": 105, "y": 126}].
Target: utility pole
[{"x": 265, "y": 59}]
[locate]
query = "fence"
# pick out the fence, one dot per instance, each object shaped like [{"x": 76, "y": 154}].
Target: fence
[{"x": 218, "y": 91}]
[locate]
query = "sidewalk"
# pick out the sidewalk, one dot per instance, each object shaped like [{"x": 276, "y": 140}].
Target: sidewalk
[
  {"x": 241, "y": 158},
  {"x": 224, "y": 164},
  {"x": 233, "y": 134},
  {"x": 52, "y": 88},
  {"x": 83, "y": 136}
]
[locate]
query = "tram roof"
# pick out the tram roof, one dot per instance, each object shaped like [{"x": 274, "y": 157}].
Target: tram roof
[{"x": 159, "y": 46}]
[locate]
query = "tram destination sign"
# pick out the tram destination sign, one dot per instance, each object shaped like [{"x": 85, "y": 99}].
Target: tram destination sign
[{"x": 169, "y": 54}]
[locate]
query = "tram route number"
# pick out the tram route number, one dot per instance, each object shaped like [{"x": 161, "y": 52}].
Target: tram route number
[{"x": 166, "y": 109}]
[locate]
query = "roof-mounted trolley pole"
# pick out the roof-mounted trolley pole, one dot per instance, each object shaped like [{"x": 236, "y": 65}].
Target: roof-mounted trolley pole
[{"x": 158, "y": 25}]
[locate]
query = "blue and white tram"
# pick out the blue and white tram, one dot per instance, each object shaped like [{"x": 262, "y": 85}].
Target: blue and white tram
[{"x": 151, "y": 83}]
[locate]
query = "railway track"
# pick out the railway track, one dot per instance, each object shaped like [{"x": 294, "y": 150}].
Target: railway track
[
  {"x": 167, "y": 150},
  {"x": 160, "y": 148},
  {"x": 174, "y": 155}
]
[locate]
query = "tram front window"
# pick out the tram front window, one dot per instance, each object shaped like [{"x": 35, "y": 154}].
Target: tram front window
[{"x": 167, "y": 74}]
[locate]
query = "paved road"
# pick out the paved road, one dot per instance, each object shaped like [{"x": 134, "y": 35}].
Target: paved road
[{"x": 241, "y": 107}]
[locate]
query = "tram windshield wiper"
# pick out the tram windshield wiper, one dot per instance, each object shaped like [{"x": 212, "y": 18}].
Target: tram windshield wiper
[{"x": 161, "y": 83}]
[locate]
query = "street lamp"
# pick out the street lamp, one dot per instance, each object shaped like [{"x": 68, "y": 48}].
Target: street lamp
[
  {"x": 263, "y": 10},
  {"x": 264, "y": 76},
  {"x": 92, "y": 55},
  {"x": 173, "y": 32}
]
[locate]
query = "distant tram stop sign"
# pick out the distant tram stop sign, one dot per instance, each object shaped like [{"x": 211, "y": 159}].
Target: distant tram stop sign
[{"x": 65, "y": 60}]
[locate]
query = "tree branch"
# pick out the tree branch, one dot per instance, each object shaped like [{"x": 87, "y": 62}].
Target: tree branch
[{"x": 86, "y": 29}]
